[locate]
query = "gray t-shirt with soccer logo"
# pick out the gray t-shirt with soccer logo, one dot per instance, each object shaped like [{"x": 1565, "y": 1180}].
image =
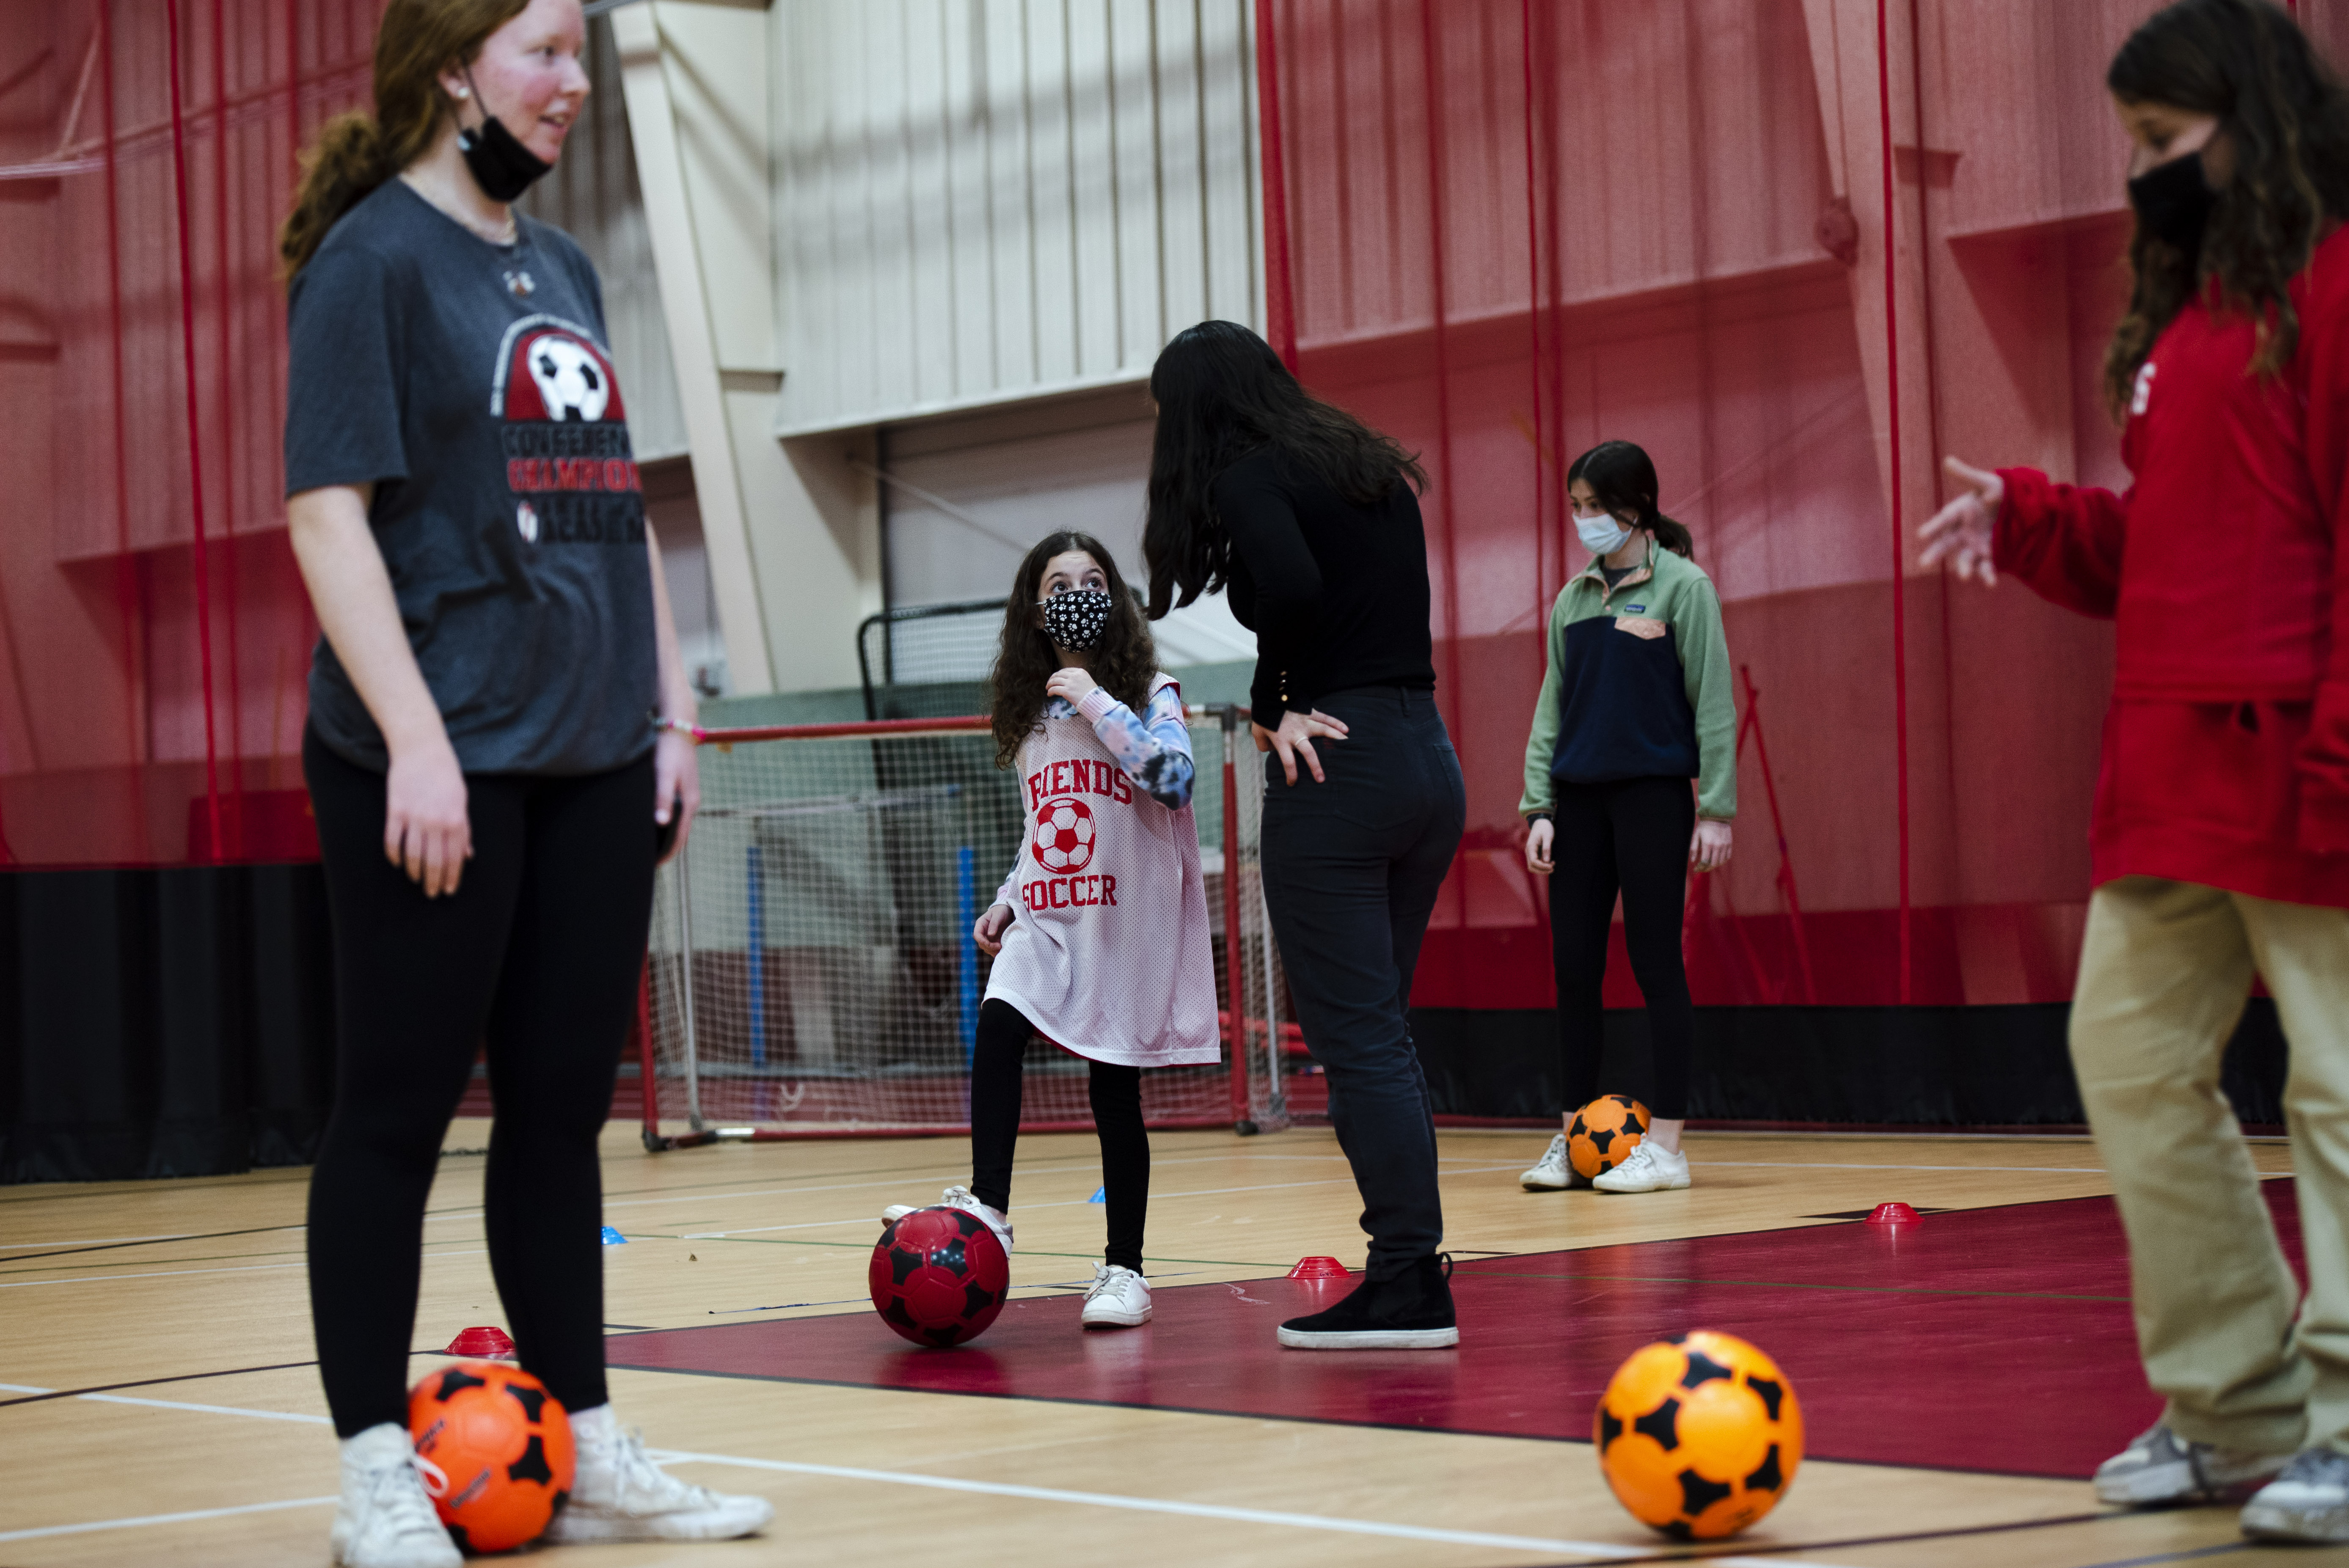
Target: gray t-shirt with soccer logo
[{"x": 468, "y": 382}]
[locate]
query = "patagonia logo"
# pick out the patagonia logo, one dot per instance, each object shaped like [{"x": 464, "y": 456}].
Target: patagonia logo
[
  {"x": 1640, "y": 626},
  {"x": 1635, "y": 609}
]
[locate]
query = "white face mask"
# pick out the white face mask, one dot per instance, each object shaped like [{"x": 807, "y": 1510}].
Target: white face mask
[{"x": 1601, "y": 535}]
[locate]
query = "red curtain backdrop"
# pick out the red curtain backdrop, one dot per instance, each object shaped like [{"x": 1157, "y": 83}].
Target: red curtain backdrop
[
  {"x": 1504, "y": 229},
  {"x": 154, "y": 636}
]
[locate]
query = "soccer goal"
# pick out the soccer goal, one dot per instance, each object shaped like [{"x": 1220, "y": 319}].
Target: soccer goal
[{"x": 812, "y": 970}]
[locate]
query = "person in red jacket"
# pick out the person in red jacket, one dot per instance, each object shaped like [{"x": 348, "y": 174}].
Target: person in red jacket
[{"x": 2220, "y": 837}]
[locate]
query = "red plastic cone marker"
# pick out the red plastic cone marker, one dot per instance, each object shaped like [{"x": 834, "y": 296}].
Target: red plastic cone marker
[
  {"x": 1318, "y": 1268},
  {"x": 487, "y": 1341},
  {"x": 1893, "y": 1214}
]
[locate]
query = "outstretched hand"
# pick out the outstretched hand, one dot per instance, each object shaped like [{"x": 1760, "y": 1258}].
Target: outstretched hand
[{"x": 1965, "y": 532}]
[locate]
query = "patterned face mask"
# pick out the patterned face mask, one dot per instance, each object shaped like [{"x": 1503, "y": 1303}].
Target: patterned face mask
[{"x": 1075, "y": 619}]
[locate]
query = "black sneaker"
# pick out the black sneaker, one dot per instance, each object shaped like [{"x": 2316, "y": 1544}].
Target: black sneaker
[{"x": 1410, "y": 1310}]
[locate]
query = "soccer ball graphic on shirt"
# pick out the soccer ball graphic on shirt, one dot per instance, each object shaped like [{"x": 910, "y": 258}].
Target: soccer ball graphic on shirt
[
  {"x": 570, "y": 382},
  {"x": 1065, "y": 836}
]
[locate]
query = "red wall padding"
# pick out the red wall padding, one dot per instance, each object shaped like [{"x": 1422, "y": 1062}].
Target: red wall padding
[
  {"x": 1515, "y": 228},
  {"x": 154, "y": 636}
]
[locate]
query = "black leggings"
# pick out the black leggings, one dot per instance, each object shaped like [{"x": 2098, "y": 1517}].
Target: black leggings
[
  {"x": 537, "y": 955},
  {"x": 1632, "y": 835},
  {"x": 995, "y": 1083}
]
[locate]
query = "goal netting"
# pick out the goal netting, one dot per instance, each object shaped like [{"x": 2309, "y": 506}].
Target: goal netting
[{"x": 812, "y": 968}]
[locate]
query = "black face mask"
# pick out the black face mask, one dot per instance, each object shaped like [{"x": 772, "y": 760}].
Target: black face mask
[
  {"x": 2174, "y": 201},
  {"x": 503, "y": 166},
  {"x": 1075, "y": 620}
]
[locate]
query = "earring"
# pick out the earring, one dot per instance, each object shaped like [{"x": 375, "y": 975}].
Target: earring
[{"x": 464, "y": 93}]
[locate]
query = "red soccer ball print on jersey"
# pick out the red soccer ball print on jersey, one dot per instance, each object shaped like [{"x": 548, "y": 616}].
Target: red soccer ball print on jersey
[
  {"x": 1065, "y": 836},
  {"x": 939, "y": 1276}
]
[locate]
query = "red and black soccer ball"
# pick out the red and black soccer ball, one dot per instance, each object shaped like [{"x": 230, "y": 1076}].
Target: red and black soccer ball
[
  {"x": 939, "y": 1276},
  {"x": 504, "y": 1446}
]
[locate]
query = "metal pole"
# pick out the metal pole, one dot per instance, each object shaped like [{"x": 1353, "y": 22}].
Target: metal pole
[
  {"x": 685, "y": 991},
  {"x": 1234, "y": 980}
]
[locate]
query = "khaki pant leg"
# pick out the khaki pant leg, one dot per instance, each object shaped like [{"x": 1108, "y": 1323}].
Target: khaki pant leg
[
  {"x": 2164, "y": 975},
  {"x": 2303, "y": 955}
]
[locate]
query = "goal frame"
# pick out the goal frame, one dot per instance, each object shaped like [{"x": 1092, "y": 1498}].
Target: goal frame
[{"x": 1249, "y": 1113}]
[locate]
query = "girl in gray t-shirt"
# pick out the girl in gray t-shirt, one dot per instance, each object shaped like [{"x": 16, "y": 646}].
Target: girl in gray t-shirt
[{"x": 500, "y": 743}]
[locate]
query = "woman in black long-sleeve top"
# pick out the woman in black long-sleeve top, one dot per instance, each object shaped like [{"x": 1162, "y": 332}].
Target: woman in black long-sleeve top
[{"x": 1311, "y": 518}]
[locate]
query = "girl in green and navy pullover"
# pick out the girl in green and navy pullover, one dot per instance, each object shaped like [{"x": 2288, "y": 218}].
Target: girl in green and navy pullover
[{"x": 1634, "y": 705}]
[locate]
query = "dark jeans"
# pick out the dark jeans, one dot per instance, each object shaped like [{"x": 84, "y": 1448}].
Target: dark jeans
[
  {"x": 997, "y": 1077},
  {"x": 1351, "y": 868},
  {"x": 537, "y": 955},
  {"x": 1633, "y": 836}
]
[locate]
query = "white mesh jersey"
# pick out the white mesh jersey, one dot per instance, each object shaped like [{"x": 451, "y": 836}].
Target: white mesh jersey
[{"x": 1108, "y": 955}]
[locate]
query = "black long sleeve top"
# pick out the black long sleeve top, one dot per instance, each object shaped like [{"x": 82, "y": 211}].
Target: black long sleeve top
[{"x": 1336, "y": 593}]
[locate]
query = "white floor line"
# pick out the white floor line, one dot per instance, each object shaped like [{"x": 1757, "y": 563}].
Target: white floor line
[
  {"x": 245, "y": 1410},
  {"x": 173, "y": 1273},
  {"x": 941, "y": 1483},
  {"x": 1028, "y": 1208},
  {"x": 1975, "y": 1170},
  {"x": 1206, "y": 1510},
  {"x": 188, "y": 1518}
]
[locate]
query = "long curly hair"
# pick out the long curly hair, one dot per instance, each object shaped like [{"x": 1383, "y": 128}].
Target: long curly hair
[
  {"x": 2286, "y": 117},
  {"x": 353, "y": 153},
  {"x": 1125, "y": 661},
  {"x": 1222, "y": 392}
]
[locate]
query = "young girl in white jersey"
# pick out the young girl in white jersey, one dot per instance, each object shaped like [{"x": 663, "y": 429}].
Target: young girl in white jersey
[{"x": 1100, "y": 933}]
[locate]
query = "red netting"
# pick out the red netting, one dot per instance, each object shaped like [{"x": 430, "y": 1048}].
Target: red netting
[
  {"x": 154, "y": 635},
  {"x": 1516, "y": 227}
]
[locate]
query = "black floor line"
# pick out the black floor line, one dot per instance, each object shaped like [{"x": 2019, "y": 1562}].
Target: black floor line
[
  {"x": 149, "y": 1242},
  {"x": 149, "y": 1382},
  {"x": 2180, "y": 1556},
  {"x": 1227, "y": 1414},
  {"x": 1734, "y": 1547}
]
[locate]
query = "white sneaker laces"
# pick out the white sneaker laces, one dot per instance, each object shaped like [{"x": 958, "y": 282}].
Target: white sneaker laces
[
  {"x": 643, "y": 1487},
  {"x": 1107, "y": 1282},
  {"x": 407, "y": 1508}
]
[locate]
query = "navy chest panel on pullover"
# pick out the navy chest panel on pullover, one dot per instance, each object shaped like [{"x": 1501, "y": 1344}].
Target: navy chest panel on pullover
[{"x": 1623, "y": 709}]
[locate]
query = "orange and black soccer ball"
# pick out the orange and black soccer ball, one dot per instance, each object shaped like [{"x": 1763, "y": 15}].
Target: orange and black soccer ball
[
  {"x": 1604, "y": 1133},
  {"x": 1698, "y": 1436},
  {"x": 503, "y": 1446},
  {"x": 939, "y": 1276}
]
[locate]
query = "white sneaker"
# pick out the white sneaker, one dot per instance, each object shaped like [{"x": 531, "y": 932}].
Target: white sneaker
[
  {"x": 1552, "y": 1173},
  {"x": 2159, "y": 1469},
  {"x": 385, "y": 1519},
  {"x": 2309, "y": 1501},
  {"x": 1646, "y": 1169},
  {"x": 1119, "y": 1298},
  {"x": 958, "y": 1198},
  {"x": 621, "y": 1495}
]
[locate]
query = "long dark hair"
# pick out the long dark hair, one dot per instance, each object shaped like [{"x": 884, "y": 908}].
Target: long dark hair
[
  {"x": 2286, "y": 119},
  {"x": 1123, "y": 661},
  {"x": 1623, "y": 478},
  {"x": 1222, "y": 392},
  {"x": 353, "y": 153}
]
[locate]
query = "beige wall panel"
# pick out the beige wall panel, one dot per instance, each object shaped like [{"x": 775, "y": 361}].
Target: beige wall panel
[
  {"x": 985, "y": 201},
  {"x": 715, "y": 58}
]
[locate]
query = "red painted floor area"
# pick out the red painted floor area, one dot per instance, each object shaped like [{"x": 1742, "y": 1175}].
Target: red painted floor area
[{"x": 1990, "y": 1339}]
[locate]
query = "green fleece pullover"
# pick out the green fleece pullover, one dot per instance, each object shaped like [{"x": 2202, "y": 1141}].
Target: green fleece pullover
[{"x": 1637, "y": 686}]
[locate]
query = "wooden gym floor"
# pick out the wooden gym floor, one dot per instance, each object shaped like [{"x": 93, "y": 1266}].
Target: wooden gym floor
[{"x": 1956, "y": 1382}]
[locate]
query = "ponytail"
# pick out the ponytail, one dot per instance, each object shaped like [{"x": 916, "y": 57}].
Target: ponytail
[
  {"x": 356, "y": 152},
  {"x": 1624, "y": 480},
  {"x": 1674, "y": 536},
  {"x": 341, "y": 166}
]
